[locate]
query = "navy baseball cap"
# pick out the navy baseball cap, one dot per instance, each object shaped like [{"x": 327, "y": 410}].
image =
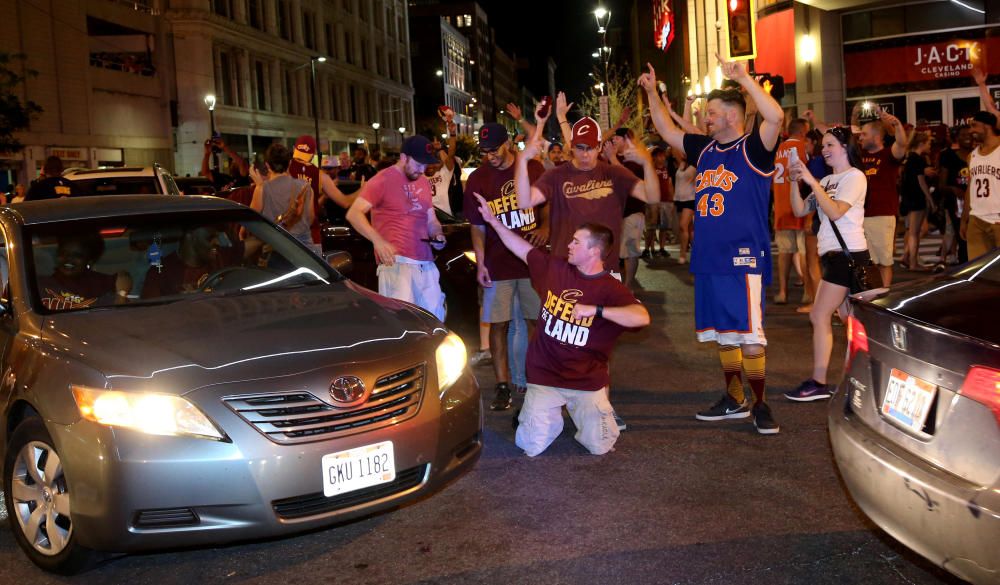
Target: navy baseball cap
[
  {"x": 492, "y": 136},
  {"x": 421, "y": 150}
]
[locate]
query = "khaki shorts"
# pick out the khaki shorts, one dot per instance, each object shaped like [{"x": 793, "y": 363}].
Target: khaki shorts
[
  {"x": 982, "y": 236},
  {"x": 880, "y": 231},
  {"x": 541, "y": 419},
  {"x": 413, "y": 281},
  {"x": 633, "y": 227},
  {"x": 498, "y": 300},
  {"x": 790, "y": 241}
]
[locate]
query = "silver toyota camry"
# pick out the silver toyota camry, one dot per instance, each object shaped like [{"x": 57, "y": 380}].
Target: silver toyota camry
[{"x": 180, "y": 372}]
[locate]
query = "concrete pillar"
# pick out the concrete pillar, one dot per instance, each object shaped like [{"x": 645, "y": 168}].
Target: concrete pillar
[
  {"x": 192, "y": 87},
  {"x": 820, "y": 84}
]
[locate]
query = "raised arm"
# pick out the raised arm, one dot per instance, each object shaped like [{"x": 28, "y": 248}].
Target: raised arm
[
  {"x": 984, "y": 92},
  {"x": 658, "y": 113},
  {"x": 631, "y": 316},
  {"x": 769, "y": 109},
  {"x": 685, "y": 121},
  {"x": 447, "y": 156},
  {"x": 329, "y": 190},
  {"x": 527, "y": 194},
  {"x": 513, "y": 242},
  {"x": 565, "y": 129},
  {"x": 648, "y": 189},
  {"x": 899, "y": 146}
]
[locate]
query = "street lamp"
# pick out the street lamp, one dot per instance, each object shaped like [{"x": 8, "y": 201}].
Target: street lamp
[
  {"x": 376, "y": 126},
  {"x": 402, "y": 133},
  {"x": 210, "y": 104},
  {"x": 603, "y": 19},
  {"x": 315, "y": 99}
]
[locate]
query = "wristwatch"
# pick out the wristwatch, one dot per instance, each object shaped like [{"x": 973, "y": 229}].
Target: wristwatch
[{"x": 600, "y": 311}]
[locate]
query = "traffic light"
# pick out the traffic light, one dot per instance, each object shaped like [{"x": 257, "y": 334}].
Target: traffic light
[{"x": 741, "y": 18}]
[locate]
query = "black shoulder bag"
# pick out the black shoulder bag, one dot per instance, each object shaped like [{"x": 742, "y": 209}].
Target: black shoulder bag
[{"x": 859, "y": 272}]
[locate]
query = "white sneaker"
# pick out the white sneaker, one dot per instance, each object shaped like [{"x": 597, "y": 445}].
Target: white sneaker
[{"x": 481, "y": 357}]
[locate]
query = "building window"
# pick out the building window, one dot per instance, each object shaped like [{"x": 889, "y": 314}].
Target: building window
[
  {"x": 364, "y": 53},
  {"x": 284, "y": 14},
  {"x": 331, "y": 41},
  {"x": 400, "y": 29},
  {"x": 225, "y": 78},
  {"x": 352, "y": 104},
  {"x": 260, "y": 85},
  {"x": 403, "y": 70},
  {"x": 379, "y": 68},
  {"x": 223, "y": 8},
  {"x": 309, "y": 30},
  {"x": 349, "y": 54},
  {"x": 466, "y": 20},
  {"x": 347, "y": 4},
  {"x": 255, "y": 14},
  {"x": 291, "y": 94}
]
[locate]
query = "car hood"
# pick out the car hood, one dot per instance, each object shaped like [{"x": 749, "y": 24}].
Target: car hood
[
  {"x": 959, "y": 305},
  {"x": 181, "y": 346}
]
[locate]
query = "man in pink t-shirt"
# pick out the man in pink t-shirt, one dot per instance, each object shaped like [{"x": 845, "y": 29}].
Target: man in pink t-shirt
[{"x": 403, "y": 227}]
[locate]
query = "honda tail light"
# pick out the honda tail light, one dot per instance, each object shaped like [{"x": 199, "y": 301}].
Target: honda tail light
[
  {"x": 982, "y": 384},
  {"x": 857, "y": 339}
]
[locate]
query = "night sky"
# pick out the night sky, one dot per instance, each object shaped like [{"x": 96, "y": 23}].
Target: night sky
[{"x": 564, "y": 29}]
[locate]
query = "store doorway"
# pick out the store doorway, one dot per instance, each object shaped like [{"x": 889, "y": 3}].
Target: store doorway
[{"x": 939, "y": 107}]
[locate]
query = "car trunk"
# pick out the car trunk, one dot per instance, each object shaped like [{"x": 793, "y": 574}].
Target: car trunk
[{"x": 916, "y": 363}]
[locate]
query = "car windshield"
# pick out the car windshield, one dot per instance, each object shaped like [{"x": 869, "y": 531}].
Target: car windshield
[
  {"x": 984, "y": 269},
  {"x": 116, "y": 186},
  {"x": 153, "y": 259}
]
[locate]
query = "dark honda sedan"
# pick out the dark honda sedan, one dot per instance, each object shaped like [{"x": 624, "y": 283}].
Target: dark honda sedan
[
  {"x": 915, "y": 425},
  {"x": 180, "y": 372}
]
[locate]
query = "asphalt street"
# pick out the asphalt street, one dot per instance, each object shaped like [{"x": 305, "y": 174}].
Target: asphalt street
[{"x": 678, "y": 501}]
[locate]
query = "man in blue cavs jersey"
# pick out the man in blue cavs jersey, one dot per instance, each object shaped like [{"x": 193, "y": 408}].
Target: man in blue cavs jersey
[{"x": 731, "y": 257}]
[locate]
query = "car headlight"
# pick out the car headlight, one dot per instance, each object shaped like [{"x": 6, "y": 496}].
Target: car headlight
[
  {"x": 155, "y": 414},
  {"x": 451, "y": 359},
  {"x": 471, "y": 256}
]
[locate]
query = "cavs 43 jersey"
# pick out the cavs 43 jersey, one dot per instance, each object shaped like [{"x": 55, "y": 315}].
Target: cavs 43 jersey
[{"x": 732, "y": 197}]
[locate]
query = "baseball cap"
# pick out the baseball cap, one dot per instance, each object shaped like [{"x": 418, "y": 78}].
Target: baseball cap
[
  {"x": 586, "y": 131},
  {"x": 420, "y": 149},
  {"x": 305, "y": 148},
  {"x": 492, "y": 136},
  {"x": 985, "y": 118}
]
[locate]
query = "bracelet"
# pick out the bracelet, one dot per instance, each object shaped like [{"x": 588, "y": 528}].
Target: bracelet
[
  {"x": 600, "y": 311},
  {"x": 564, "y": 122}
]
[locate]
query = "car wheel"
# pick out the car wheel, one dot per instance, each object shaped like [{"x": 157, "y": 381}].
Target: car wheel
[{"x": 38, "y": 501}]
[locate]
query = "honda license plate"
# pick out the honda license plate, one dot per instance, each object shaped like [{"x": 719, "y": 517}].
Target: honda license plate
[
  {"x": 358, "y": 468},
  {"x": 908, "y": 399}
]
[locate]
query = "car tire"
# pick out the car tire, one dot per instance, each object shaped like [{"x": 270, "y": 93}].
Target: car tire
[{"x": 33, "y": 478}]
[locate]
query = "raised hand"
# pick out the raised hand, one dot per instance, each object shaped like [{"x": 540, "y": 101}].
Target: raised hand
[
  {"x": 514, "y": 111},
  {"x": 731, "y": 69},
  {"x": 978, "y": 75},
  {"x": 635, "y": 152},
  {"x": 562, "y": 108},
  {"x": 647, "y": 80},
  {"x": 539, "y": 119}
]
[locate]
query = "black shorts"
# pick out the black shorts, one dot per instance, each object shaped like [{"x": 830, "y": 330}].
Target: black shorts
[
  {"x": 684, "y": 205},
  {"x": 837, "y": 271}
]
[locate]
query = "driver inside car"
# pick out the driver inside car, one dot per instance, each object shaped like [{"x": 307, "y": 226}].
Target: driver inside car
[
  {"x": 74, "y": 284},
  {"x": 203, "y": 250}
]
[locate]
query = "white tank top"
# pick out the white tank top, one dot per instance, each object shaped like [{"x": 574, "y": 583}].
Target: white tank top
[
  {"x": 684, "y": 184},
  {"x": 984, "y": 185},
  {"x": 441, "y": 180}
]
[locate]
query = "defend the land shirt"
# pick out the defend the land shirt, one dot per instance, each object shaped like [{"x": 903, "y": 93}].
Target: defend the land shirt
[
  {"x": 576, "y": 197},
  {"x": 566, "y": 352},
  {"x": 496, "y": 186}
]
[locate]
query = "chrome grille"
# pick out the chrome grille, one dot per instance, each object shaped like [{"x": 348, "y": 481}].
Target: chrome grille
[{"x": 301, "y": 417}]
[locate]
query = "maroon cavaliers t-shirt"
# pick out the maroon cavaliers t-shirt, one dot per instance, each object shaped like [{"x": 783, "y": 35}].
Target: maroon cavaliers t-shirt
[
  {"x": 576, "y": 197},
  {"x": 497, "y": 188},
  {"x": 564, "y": 352},
  {"x": 882, "y": 170}
]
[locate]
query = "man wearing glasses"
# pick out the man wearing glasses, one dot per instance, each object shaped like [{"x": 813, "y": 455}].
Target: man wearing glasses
[{"x": 502, "y": 275}]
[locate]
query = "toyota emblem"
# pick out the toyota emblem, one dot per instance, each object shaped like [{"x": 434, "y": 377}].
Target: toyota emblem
[{"x": 347, "y": 389}]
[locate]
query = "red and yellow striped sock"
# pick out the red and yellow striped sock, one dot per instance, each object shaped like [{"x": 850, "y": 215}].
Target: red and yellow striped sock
[
  {"x": 754, "y": 366},
  {"x": 732, "y": 366}
]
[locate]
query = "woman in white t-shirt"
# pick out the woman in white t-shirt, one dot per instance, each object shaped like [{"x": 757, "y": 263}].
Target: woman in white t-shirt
[{"x": 839, "y": 198}]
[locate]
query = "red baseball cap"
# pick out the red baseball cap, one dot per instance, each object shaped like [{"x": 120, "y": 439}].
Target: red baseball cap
[
  {"x": 586, "y": 131},
  {"x": 305, "y": 148}
]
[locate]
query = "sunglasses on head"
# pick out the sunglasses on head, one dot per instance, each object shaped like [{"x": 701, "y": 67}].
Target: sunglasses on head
[{"x": 842, "y": 134}]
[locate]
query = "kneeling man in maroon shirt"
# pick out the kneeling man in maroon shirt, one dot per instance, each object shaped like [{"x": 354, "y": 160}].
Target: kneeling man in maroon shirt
[{"x": 584, "y": 310}]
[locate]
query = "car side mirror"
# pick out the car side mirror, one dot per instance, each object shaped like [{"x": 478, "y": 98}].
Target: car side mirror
[{"x": 340, "y": 261}]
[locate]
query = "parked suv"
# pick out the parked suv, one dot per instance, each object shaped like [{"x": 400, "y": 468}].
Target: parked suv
[{"x": 154, "y": 180}]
